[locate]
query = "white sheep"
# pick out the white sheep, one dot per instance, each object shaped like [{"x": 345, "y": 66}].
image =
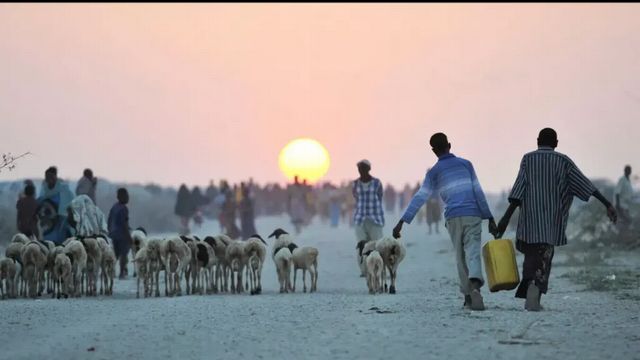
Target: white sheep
[
  {"x": 51, "y": 259},
  {"x": 255, "y": 252},
  {"x": 237, "y": 260},
  {"x": 138, "y": 237},
  {"x": 78, "y": 257},
  {"x": 206, "y": 262},
  {"x": 305, "y": 258},
  {"x": 34, "y": 257},
  {"x": 63, "y": 275},
  {"x": 392, "y": 252},
  {"x": 155, "y": 264},
  {"x": 14, "y": 251},
  {"x": 192, "y": 270},
  {"x": 9, "y": 276},
  {"x": 107, "y": 266},
  {"x": 282, "y": 258},
  {"x": 175, "y": 255},
  {"x": 94, "y": 263},
  {"x": 375, "y": 266},
  {"x": 141, "y": 263},
  {"x": 219, "y": 244}
]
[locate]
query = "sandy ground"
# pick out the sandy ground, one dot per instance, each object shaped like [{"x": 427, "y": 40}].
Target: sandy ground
[{"x": 424, "y": 320}]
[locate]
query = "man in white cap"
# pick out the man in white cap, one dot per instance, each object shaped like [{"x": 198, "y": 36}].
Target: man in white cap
[{"x": 369, "y": 214}]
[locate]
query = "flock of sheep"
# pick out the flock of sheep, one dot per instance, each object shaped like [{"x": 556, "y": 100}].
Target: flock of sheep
[
  {"x": 210, "y": 265},
  {"x": 70, "y": 268}
]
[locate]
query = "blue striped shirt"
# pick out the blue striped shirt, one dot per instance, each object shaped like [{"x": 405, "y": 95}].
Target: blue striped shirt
[{"x": 455, "y": 180}]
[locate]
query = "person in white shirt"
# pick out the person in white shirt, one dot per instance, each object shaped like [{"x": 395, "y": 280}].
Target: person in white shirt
[{"x": 623, "y": 195}]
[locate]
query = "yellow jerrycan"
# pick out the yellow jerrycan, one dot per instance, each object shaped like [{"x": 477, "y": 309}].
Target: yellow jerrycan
[{"x": 500, "y": 264}]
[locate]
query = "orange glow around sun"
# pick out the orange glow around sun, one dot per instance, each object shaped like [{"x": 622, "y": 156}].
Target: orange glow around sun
[{"x": 306, "y": 158}]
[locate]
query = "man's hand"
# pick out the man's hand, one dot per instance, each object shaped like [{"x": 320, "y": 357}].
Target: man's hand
[
  {"x": 493, "y": 228},
  {"x": 397, "y": 229},
  {"x": 612, "y": 214}
]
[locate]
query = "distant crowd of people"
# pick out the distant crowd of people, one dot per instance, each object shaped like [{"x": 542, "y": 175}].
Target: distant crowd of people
[{"x": 237, "y": 206}]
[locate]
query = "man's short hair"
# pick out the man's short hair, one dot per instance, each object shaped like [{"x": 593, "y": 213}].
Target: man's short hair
[
  {"x": 364, "y": 162},
  {"x": 439, "y": 141},
  {"x": 122, "y": 192},
  {"x": 29, "y": 190},
  {"x": 548, "y": 136},
  {"x": 51, "y": 170},
  {"x": 88, "y": 173}
]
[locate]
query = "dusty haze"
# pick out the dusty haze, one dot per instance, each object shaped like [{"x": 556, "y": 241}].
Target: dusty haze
[{"x": 186, "y": 93}]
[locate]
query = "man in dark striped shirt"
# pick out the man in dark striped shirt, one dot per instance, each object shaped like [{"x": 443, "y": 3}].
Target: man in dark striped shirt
[{"x": 544, "y": 189}]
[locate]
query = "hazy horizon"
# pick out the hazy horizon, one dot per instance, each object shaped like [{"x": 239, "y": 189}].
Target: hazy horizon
[{"x": 173, "y": 93}]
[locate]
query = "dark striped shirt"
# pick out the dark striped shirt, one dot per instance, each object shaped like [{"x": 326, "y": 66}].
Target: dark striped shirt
[{"x": 545, "y": 187}]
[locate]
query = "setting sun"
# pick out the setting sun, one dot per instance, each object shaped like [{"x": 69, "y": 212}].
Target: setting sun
[{"x": 306, "y": 158}]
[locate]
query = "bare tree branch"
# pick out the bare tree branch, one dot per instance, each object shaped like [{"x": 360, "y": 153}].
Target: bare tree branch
[{"x": 9, "y": 160}]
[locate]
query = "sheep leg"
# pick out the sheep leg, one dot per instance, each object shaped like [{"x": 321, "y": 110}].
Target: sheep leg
[
  {"x": 133, "y": 256},
  {"x": 166, "y": 283},
  {"x": 280, "y": 279},
  {"x": 304, "y": 279},
  {"x": 178, "y": 285},
  {"x": 110, "y": 279},
  {"x": 392, "y": 288},
  {"x": 312, "y": 275},
  {"x": 225, "y": 276},
  {"x": 384, "y": 277},
  {"x": 259, "y": 288},
  {"x": 295, "y": 280},
  {"x": 215, "y": 274},
  {"x": 288, "y": 279},
  {"x": 207, "y": 281},
  {"x": 246, "y": 280},
  {"x": 315, "y": 281},
  {"x": 102, "y": 275},
  {"x": 240, "y": 287},
  {"x": 187, "y": 276},
  {"x": 254, "y": 285},
  {"x": 54, "y": 287}
]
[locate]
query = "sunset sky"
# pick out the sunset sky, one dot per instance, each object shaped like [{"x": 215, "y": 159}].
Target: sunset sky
[{"x": 175, "y": 93}]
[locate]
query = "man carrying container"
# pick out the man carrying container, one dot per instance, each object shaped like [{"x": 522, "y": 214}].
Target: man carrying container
[
  {"x": 544, "y": 190},
  {"x": 465, "y": 207}
]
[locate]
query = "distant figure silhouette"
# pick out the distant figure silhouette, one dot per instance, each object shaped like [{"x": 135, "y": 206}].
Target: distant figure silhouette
[
  {"x": 185, "y": 208},
  {"x": 247, "y": 213},
  {"x": 118, "y": 225},
  {"x": 369, "y": 213},
  {"x": 623, "y": 196},
  {"x": 87, "y": 185},
  {"x": 297, "y": 204}
]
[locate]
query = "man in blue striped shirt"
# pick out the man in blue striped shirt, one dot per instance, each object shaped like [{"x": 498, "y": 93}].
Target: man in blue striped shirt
[
  {"x": 544, "y": 189},
  {"x": 465, "y": 207}
]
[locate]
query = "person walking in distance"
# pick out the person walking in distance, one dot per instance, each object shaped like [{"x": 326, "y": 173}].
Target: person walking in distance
[
  {"x": 87, "y": 185},
  {"x": 118, "y": 226},
  {"x": 623, "y": 195},
  {"x": 369, "y": 213}
]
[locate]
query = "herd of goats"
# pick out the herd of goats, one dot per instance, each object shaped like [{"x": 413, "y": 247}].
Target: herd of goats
[{"x": 210, "y": 265}]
